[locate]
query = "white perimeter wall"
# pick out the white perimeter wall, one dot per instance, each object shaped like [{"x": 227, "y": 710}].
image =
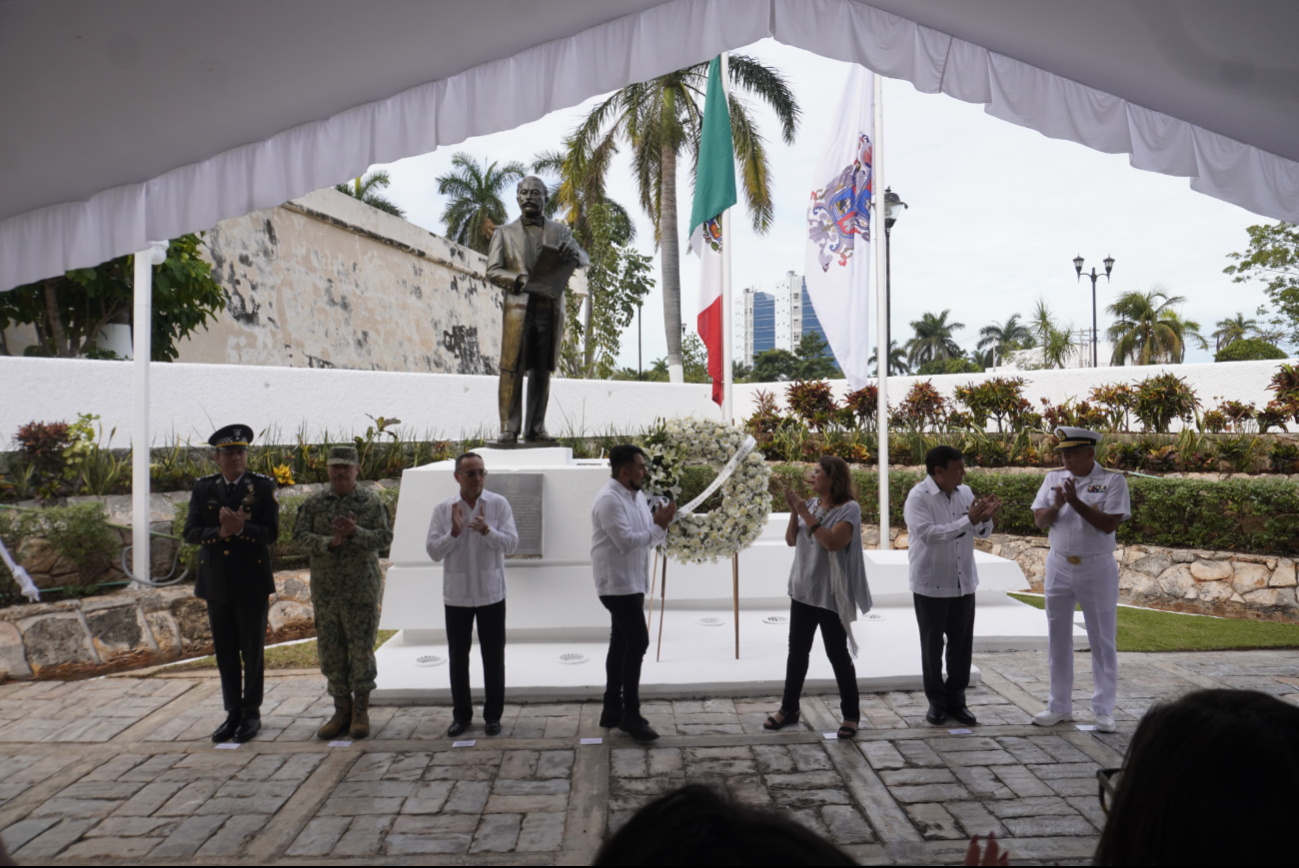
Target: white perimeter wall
[
  {"x": 191, "y": 400},
  {"x": 1239, "y": 381}
]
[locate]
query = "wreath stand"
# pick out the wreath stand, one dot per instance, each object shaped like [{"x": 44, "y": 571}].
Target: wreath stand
[{"x": 663, "y": 592}]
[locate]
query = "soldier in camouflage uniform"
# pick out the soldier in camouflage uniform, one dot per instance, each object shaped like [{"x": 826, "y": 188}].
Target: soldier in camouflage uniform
[{"x": 343, "y": 530}]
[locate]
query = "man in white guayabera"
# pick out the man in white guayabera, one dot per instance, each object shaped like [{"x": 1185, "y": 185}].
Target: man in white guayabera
[
  {"x": 473, "y": 531},
  {"x": 1083, "y": 505},
  {"x": 622, "y": 533}
]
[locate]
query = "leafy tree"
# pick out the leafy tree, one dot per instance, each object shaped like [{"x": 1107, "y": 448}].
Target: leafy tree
[
  {"x": 741, "y": 373},
  {"x": 695, "y": 358},
  {"x": 1233, "y": 329},
  {"x": 1042, "y": 322},
  {"x": 815, "y": 359},
  {"x": 1163, "y": 398},
  {"x": 1057, "y": 347},
  {"x": 999, "y": 398},
  {"x": 1272, "y": 258},
  {"x": 618, "y": 280},
  {"x": 1249, "y": 350},
  {"x": 933, "y": 339},
  {"x": 1004, "y": 337},
  {"x": 935, "y": 367},
  {"x": 774, "y": 366},
  {"x": 1148, "y": 330},
  {"x": 476, "y": 207},
  {"x": 897, "y": 360},
  {"x": 69, "y": 311},
  {"x": 366, "y": 190},
  {"x": 659, "y": 118}
]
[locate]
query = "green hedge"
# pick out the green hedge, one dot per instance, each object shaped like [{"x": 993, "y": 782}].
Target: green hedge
[
  {"x": 1249, "y": 350},
  {"x": 1259, "y": 516}
]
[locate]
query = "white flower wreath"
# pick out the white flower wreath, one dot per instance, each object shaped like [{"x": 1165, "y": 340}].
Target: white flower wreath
[{"x": 746, "y": 500}]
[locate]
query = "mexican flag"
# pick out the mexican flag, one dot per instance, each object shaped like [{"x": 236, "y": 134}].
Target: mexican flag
[{"x": 714, "y": 193}]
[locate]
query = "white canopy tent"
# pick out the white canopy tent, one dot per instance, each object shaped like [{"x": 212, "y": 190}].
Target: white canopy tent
[{"x": 136, "y": 120}]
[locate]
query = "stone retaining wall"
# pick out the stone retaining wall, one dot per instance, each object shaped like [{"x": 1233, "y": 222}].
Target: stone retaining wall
[{"x": 130, "y": 629}]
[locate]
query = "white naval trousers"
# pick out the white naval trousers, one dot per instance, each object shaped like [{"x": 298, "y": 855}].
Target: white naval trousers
[{"x": 1094, "y": 585}]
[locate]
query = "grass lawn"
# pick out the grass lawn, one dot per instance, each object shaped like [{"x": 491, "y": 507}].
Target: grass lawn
[
  {"x": 1153, "y": 630},
  {"x": 301, "y": 655}
]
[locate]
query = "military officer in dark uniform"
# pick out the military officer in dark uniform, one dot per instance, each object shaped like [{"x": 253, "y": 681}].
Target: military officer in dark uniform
[{"x": 234, "y": 518}]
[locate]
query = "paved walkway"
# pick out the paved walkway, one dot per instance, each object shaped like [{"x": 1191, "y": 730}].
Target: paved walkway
[{"x": 121, "y": 769}]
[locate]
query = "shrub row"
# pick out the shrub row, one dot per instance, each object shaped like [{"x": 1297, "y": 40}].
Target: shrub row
[{"x": 1259, "y": 516}]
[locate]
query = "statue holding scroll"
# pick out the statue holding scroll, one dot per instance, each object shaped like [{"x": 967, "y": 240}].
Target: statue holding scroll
[{"x": 531, "y": 261}]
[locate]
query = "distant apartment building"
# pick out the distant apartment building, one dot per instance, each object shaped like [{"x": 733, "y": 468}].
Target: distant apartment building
[{"x": 777, "y": 319}]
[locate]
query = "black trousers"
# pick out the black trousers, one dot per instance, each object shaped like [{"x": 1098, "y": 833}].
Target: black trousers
[
  {"x": 952, "y": 617},
  {"x": 803, "y": 621},
  {"x": 491, "y": 642},
  {"x": 628, "y": 642},
  {"x": 239, "y": 633}
]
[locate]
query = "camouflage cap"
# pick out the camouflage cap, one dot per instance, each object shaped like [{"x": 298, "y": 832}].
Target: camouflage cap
[{"x": 343, "y": 455}]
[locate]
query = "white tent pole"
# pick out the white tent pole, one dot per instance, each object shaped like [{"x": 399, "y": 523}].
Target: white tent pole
[
  {"x": 142, "y": 326},
  {"x": 882, "y": 310},
  {"x": 727, "y": 346}
]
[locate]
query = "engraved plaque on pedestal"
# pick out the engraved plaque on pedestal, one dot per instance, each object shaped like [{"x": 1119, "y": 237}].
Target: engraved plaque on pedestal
[{"x": 523, "y": 491}]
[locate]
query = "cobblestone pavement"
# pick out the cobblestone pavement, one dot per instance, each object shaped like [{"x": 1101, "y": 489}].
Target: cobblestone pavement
[{"x": 120, "y": 769}]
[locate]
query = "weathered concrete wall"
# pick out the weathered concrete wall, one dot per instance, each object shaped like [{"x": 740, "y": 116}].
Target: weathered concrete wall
[{"x": 327, "y": 281}]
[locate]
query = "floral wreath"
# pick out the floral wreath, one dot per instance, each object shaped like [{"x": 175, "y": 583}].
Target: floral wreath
[{"x": 746, "y": 500}]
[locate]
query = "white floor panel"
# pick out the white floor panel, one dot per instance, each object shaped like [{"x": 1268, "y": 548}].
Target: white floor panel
[{"x": 698, "y": 656}]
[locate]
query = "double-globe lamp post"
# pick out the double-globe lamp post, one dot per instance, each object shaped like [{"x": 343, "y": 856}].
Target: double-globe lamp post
[
  {"x": 893, "y": 207},
  {"x": 1078, "y": 266}
]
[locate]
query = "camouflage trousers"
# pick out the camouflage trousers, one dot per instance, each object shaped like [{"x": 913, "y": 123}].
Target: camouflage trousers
[{"x": 345, "y": 635}]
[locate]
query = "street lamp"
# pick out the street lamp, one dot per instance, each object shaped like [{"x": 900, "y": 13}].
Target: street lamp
[
  {"x": 1078, "y": 267},
  {"x": 893, "y": 207}
]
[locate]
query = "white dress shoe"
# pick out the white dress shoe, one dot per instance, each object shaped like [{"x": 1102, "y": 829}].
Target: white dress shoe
[
  {"x": 1051, "y": 718},
  {"x": 1105, "y": 723}
]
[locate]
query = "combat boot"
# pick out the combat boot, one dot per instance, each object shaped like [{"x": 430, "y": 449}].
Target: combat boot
[
  {"x": 360, "y": 716},
  {"x": 342, "y": 716}
]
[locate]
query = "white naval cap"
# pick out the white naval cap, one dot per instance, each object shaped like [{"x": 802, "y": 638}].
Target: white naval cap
[{"x": 1069, "y": 437}]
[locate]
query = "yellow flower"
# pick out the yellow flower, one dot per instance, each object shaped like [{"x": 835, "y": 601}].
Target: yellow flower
[{"x": 283, "y": 474}]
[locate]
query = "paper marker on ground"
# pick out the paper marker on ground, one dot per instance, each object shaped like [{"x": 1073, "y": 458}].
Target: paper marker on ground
[
  {"x": 830, "y": 735},
  {"x": 1086, "y": 727},
  {"x": 469, "y": 743},
  {"x": 340, "y": 744},
  {"x": 960, "y": 731},
  {"x": 592, "y": 741},
  {"x": 228, "y": 745}
]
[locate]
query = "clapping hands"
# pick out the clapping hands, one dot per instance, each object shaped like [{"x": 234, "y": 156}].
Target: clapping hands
[
  {"x": 984, "y": 508},
  {"x": 343, "y": 528},
  {"x": 792, "y": 500},
  {"x": 232, "y": 521},
  {"x": 477, "y": 522}
]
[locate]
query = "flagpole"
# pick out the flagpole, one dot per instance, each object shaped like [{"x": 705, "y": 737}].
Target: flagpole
[
  {"x": 882, "y": 311},
  {"x": 727, "y": 350}
]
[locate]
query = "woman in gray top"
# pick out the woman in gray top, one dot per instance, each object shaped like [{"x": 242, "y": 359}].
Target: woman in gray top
[{"x": 827, "y": 587}]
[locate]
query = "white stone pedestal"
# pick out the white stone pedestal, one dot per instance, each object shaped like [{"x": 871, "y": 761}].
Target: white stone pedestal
[{"x": 554, "y": 617}]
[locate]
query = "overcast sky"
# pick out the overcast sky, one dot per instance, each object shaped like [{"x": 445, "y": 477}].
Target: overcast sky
[{"x": 997, "y": 212}]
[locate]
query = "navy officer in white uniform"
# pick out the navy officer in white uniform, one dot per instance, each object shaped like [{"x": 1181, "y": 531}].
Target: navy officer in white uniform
[{"x": 1082, "y": 505}]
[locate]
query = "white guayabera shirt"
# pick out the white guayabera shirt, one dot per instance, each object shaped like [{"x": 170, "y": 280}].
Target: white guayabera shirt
[
  {"x": 474, "y": 574},
  {"x": 622, "y": 534},
  {"x": 941, "y": 540}
]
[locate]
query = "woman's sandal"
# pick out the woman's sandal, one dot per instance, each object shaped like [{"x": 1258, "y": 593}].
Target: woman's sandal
[
  {"x": 772, "y": 724},
  {"x": 847, "y": 731}
]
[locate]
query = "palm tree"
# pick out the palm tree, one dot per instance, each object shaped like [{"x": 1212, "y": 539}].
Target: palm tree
[
  {"x": 1004, "y": 337},
  {"x": 580, "y": 188},
  {"x": 933, "y": 339},
  {"x": 1148, "y": 330},
  {"x": 897, "y": 360},
  {"x": 1233, "y": 329},
  {"x": 366, "y": 190},
  {"x": 1042, "y": 321},
  {"x": 1058, "y": 347},
  {"x": 661, "y": 116},
  {"x": 476, "y": 207}
]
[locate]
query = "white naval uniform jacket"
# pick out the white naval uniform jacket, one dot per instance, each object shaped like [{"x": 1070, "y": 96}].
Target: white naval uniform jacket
[{"x": 1071, "y": 535}]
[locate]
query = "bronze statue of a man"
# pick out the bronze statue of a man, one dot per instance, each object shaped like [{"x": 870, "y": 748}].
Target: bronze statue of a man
[{"x": 543, "y": 251}]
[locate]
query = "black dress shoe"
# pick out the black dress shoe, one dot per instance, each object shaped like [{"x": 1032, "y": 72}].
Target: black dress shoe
[
  {"x": 637, "y": 727},
  {"x": 248, "y": 729},
  {"x": 963, "y": 715},
  {"x": 456, "y": 728},
  {"x": 936, "y": 715},
  {"x": 226, "y": 731},
  {"x": 609, "y": 719},
  {"x": 493, "y": 727}
]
